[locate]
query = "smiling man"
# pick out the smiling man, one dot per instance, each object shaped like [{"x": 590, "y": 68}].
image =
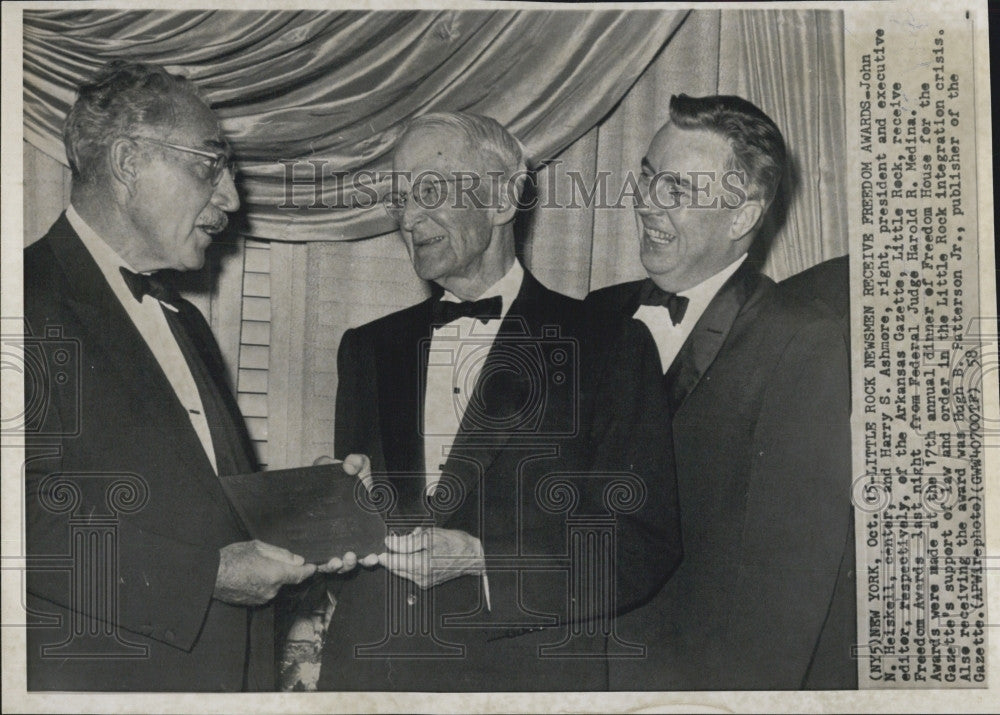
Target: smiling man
[
  {"x": 757, "y": 383},
  {"x": 492, "y": 420},
  {"x": 141, "y": 576}
]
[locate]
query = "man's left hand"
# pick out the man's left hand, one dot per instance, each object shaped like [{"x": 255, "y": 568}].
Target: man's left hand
[{"x": 432, "y": 556}]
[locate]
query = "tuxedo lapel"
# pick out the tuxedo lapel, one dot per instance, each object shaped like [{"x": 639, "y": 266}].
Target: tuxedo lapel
[
  {"x": 401, "y": 359},
  {"x": 505, "y": 381},
  {"x": 504, "y": 385},
  {"x": 107, "y": 326},
  {"x": 709, "y": 334}
]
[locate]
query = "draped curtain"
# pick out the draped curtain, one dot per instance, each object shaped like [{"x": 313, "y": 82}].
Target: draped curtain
[
  {"x": 584, "y": 90},
  {"x": 332, "y": 91},
  {"x": 791, "y": 64}
]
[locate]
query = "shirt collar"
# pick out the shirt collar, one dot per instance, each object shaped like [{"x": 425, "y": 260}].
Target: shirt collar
[
  {"x": 507, "y": 287},
  {"x": 701, "y": 295},
  {"x": 107, "y": 259},
  {"x": 104, "y": 255},
  {"x": 706, "y": 290}
]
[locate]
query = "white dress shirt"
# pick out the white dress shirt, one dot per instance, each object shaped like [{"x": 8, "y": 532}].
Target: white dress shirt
[
  {"x": 669, "y": 338},
  {"x": 457, "y": 352},
  {"x": 149, "y": 320}
]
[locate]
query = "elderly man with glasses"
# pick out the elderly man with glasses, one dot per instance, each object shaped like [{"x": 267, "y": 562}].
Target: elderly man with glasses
[
  {"x": 500, "y": 443},
  {"x": 162, "y": 588}
]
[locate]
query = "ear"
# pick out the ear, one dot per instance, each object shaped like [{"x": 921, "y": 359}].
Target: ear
[
  {"x": 123, "y": 156},
  {"x": 506, "y": 206},
  {"x": 746, "y": 218}
]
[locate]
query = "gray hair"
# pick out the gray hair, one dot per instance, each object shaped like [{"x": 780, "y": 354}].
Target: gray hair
[
  {"x": 122, "y": 96},
  {"x": 484, "y": 135}
]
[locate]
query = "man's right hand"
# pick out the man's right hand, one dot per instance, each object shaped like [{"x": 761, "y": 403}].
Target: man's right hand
[{"x": 251, "y": 572}]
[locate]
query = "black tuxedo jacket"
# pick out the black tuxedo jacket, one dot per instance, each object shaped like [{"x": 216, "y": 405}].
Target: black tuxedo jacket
[
  {"x": 541, "y": 414},
  {"x": 827, "y": 284},
  {"x": 827, "y": 287},
  {"x": 117, "y": 419},
  {"x": 765, "y": 596}
]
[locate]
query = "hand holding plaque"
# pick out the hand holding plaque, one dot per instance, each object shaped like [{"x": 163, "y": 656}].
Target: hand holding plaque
[
  {"x": 319, "y": 512},
  {"x": 360, "y": 466}
]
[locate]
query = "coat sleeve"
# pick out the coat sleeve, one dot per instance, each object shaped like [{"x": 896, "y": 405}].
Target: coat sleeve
[{"x": 798, "y": 513}]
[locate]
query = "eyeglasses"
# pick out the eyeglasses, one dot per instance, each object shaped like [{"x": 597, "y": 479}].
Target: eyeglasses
[
  {"x": 430, "y": 194},
  {"x": 220, "y": 163}
]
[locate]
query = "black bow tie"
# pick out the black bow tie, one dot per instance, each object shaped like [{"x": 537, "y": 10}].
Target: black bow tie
[
  {"x": 675, "y": 304},
  {"x": 484, "y": 309},
  {"x": 140, "y": 284}
]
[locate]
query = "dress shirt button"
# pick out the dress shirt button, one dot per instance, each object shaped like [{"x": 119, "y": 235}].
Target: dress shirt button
[
  {"x": 169, "y": 635},
  {"x": 411, "y": 600}
]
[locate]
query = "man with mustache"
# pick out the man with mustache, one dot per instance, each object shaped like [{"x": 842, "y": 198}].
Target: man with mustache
[
  {"x": 489, "y": 421},
  {"x": 759, "y": 391},
  {"x": 162, "y": 588}
]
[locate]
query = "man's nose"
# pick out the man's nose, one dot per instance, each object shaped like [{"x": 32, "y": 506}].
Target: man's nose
[
  {"x": 642, "y": 199},
  {"x": 412, "y": 215},
  {"x": 642, "y": 203},
  {"x": 226, "y": 197}
]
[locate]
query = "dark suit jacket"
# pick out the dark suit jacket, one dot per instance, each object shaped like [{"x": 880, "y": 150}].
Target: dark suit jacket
[
  {"x": 542, "y": 413},
  {"x": 827, "y": 287},
  {"x": 118, "y": 415},
  {"x": 827, "y": 284},
  {"x": 765, "y": 596}
]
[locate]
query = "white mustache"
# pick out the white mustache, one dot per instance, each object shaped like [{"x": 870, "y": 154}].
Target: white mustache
[{"x": 217, "y": 226}]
